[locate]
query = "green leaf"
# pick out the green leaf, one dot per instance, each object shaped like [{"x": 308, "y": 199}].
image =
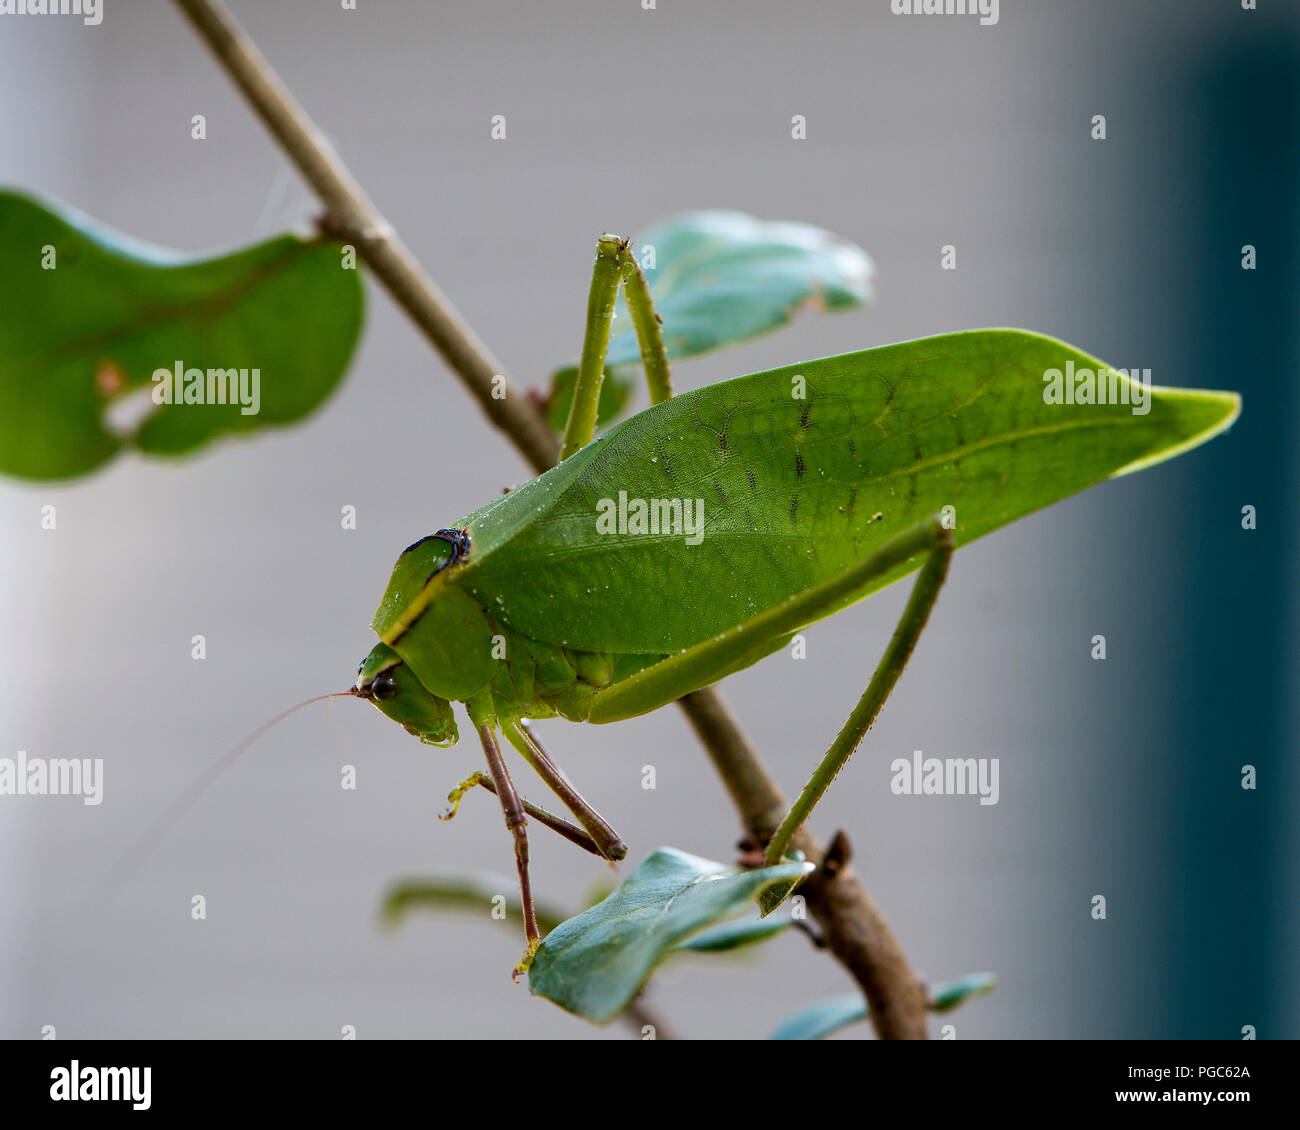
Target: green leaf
[
  {"x": 78, "y": 339},
  {"x": 615, "y": 394},
  {"x": 823, "y": 1019},
  {"x": 734, "y": 935},
  {"x": 724, "y": 277},
  {"x": 720, "y": 278},
  {"x": 595, "y": 963},
  {"x": 947, "y": 995},
  {"x": 477, "y": 893},
  {"x": 827, "y": 1017}
]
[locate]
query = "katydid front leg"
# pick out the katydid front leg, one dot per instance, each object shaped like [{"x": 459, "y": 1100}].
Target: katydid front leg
[
  {"x": 570, "y": 832},
  {"x": 646, "y": 322},
  {"x": 517, "y": 823},
  {"x": 605, "y": 279}
]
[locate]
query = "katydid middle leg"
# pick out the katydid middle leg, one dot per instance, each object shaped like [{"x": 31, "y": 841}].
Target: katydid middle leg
[{"x": 607, "y": 841}]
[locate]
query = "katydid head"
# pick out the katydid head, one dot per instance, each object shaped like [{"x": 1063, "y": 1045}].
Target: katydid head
[
  {"x": 434, "y": 629},
  {"x": 393, "y": 687}
]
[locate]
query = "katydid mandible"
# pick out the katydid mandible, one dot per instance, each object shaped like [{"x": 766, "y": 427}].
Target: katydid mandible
[{"x": 699, "y": 536}]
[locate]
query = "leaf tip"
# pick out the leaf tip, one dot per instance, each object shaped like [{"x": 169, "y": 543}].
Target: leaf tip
[{"x": 1199, "y": 414}]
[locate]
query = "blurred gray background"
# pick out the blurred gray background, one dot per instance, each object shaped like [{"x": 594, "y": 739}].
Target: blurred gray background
[{"x": 1118, "y": 777}]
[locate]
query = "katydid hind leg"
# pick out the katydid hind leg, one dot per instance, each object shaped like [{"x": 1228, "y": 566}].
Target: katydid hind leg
[
  {"x": 517, "y": 822},
  {"x": 919, "y": 605},
  {"x": 708, "y": 661}
]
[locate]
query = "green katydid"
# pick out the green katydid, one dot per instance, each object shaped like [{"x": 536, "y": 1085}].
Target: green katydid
[{"x": 698, "y": 536}]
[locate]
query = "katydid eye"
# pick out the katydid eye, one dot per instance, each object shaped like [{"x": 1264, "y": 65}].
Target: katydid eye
[{"x": 383, "y": 687}]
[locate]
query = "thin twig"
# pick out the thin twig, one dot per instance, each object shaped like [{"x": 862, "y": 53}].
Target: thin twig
[
  {"x": 854, "y": 929},
  {"x": 356, "y": 219},
  {"x": 640, "y": 1015}
]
